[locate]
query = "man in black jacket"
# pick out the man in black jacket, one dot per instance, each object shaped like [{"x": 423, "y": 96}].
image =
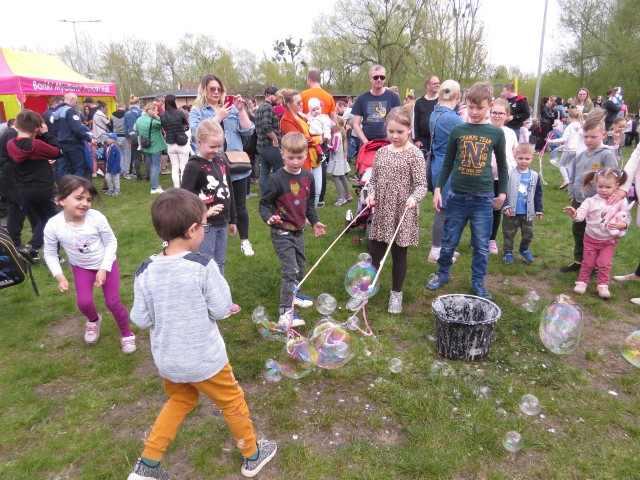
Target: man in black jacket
[
  {"x": 422, "y": 110},
  {"x": 520, "y": 110},
  {"x": 48, "y": 113}
]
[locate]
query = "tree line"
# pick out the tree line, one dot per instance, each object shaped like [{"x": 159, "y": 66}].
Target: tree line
[{"x": 411, "y": 38}]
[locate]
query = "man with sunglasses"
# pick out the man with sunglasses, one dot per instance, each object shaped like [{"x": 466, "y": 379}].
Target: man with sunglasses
[{"x": 371, "y": 108}]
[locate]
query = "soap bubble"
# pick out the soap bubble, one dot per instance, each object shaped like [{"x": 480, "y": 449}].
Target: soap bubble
[
  {"x": 529, "y": 404},
  {"x": 531, "y": 302},
  {"x": 364, "y": 257},
  {"x": 259, "y": 314},
  {"x": 271, "y": 371},
  {"x": 353, "y": 322},
  {"x": 561, "y": 325},
  {"x": 326, "y": 304},
  {"x": 512, "y": 441},
  {"x": 333, "y": 344},
  {"x": 395, "y": 365},
  {"x": 261, "y": 79},
  {"x": 359, "y": 281},
  {"x": 272, "y": 330},
  {"x": 298, "y": 358},
  {"x": 631, "y": 349}
]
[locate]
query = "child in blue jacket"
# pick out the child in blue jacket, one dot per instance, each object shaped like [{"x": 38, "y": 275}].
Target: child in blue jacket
[{"x": 112, "y": 165}]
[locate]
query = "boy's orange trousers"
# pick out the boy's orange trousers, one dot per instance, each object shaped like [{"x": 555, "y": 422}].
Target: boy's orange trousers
[{"x": 225, "y": 392}]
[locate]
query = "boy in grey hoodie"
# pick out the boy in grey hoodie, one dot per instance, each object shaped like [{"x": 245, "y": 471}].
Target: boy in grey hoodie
[{"x": 595, "y": 157}]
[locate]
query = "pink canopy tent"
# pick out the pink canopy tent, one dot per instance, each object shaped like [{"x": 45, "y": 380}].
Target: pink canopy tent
[{"x": 28, "y": 79}]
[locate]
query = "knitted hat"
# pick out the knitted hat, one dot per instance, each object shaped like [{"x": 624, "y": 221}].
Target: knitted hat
[{"x": 314, "y": 103}]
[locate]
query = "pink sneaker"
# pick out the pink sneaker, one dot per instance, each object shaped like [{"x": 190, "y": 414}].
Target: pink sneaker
[
  {"x": 234, "y": 309},
  {"x": 128, "y": 344},
  {"x": 580, "y": 288},
  {"x": 493, "y": 247},
  {"x": 92, "y": 331},
  {"x": 348, "y": 198}
]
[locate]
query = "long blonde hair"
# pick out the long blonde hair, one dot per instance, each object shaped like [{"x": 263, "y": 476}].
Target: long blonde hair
[{"x": 201, "y": 99}]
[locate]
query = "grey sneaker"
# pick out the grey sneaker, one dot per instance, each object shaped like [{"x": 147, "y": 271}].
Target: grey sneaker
[
  {"x": 143, "y": 472},
  {"x": 395, "y": 302},
  {"x": 250, "y": 468}
]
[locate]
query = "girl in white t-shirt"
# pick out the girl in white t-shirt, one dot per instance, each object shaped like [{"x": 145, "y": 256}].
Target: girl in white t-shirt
[
  {"x": 91, "y": 248},
  {"x": 498, "y": 113},
  {"x": 571, "y": 138}
]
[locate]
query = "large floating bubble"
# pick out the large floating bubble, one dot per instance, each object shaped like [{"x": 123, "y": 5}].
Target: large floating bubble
[
  {"x": 271, "y": 371},
  {"x": 259, "y": 314},
  {"x": 364, "y": 257},
  {"x": 359, "y": 281},
  {"x": 326, "y": 304},
  {"x": 631, "y": 349},
  {"x": 261, "y": 79},
  {"x": 272, "y": 330},
  {"x": 298, "y": 358},
  {"x": 561, "y": 325},
  {"x": 333, "y": 344},
  {"x": 529, "y": 404},
  {"x": 512, "y": 441}
]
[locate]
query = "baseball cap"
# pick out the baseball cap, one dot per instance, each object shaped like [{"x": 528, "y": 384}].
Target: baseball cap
[
  {"x": 270, "y": 91},
  {"x": 112, "y": 135}
]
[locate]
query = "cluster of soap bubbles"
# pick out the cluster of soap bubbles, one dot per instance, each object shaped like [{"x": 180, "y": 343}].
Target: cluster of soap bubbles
[
  {"x": 329, "y": 344},
  {"x": 561, "y": 325}
]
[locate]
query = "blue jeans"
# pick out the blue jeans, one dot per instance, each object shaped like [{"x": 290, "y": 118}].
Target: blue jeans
[
  {"x": 155, "y": 168},
  {"x": 215, "y": 245},
  {"x": 270, "y": 162},
  {"x": 463, "y": 208}
]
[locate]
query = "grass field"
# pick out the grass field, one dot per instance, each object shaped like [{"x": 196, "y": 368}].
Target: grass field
[{"x": 72, "y": 411}]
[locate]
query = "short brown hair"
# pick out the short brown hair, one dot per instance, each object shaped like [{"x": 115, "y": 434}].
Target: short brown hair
[
  {"x": 294, "y": 142},
  {"x": 525, "y": 148},
  {"x": 594, "y": 120},
  {"x": 70, "y": 183},
  {"x": 479, "y": 92},
  {"x": 314, "y": 76},
  {"x": 28, "y": 121},
  {"x": 174, "y": 211}
]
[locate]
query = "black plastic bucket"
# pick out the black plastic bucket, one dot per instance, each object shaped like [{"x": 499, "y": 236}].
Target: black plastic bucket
[{"x": 464, "y": 326}]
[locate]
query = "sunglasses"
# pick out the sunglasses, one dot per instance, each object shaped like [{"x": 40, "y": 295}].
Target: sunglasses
[
  {"x": 215, "y": 89},
  {"x": 379, "y": 77}
]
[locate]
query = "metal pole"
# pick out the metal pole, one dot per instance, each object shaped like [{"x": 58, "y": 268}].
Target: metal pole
[
  {"x": 75, "y": 34},
  {"x": 537, "y": 96}
]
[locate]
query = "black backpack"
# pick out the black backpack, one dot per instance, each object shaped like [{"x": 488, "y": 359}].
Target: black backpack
[{"x": 13, "y": 268}]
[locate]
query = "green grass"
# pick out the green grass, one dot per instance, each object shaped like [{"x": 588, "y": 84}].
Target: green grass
[{"x": 77, "y": 412}]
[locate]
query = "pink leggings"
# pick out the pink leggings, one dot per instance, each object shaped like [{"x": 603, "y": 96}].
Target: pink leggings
[
  {"x": 597, "y": 253},
  {"x": 84, "y": 280}
]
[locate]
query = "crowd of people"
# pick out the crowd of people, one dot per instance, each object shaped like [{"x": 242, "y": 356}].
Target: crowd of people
[{"x": 471, "y": 150}]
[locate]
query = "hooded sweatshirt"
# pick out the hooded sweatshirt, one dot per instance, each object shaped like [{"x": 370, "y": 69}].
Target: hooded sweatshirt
[
  {"x": 588, "y": 161},
  {"x": 32, "y": 156}
]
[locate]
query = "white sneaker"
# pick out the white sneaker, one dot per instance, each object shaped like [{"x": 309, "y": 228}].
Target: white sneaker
[
  {"x": 303, "y": 301},
  {"x": 433, "y": 257},
  {"x": 635, "y": 301},
  {"x": 493, "y": 247},
  {"x": 626, "y": 278},
  {"x": 246, "y": 248},
  {"x": 156, "y": 191},
  {"x": 285, "y": 319},
  {"x": 128, "y": 344},
  {"x": 92, "y": 331},
  {"x": 395, "y": 302},
  {"x": 603, "y": 291}
]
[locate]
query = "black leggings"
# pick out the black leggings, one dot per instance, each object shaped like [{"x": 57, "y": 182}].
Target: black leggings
[
  {"x": 240, "y": 189},
  {"x": 497, "y": 215},
  {"x": 399, "y": 257},
  {"x": 638, "y": 270}
]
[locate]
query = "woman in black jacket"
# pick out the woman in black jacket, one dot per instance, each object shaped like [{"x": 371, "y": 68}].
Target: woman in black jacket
[
  {"x": 175, "y": 125},
  {"x": 547, "y": 116}
]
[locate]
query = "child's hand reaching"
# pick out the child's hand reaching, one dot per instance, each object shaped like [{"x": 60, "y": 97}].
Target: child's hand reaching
[
  {"x": 63, "y": 283},
  {"x": 215, "y": 210},
  {"x": 101, "y": 277},
  {"x": 274, "y": 219},
  {"x": 318, "y": 229},
  {"x": 570, "y": 211}
]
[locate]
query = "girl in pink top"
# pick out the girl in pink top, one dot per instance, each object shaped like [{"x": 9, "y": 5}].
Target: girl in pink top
[{"x": 599, "y": 242}]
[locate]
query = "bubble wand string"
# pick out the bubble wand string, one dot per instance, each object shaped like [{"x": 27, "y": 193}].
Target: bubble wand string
[
  {"x": 297, "y": 288},
  {"x": 386, "y": 254}
]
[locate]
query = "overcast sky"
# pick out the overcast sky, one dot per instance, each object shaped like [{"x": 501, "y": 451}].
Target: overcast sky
[{"x": 513, "y": 27}]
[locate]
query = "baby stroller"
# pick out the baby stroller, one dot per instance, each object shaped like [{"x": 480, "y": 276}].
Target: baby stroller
[{"x": 364, "y": 169}]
